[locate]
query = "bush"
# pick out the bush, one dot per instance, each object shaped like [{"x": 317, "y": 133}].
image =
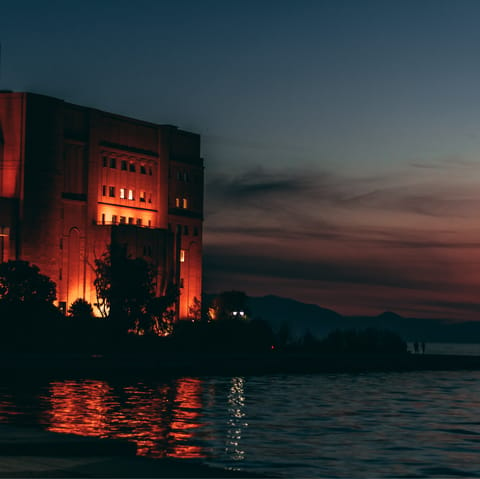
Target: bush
[
  {"x": 81, "y": 310},
  {"x": 364, "y": 341}
]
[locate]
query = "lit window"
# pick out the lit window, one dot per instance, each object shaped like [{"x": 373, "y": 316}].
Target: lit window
[
  {"x": 143, "y": 170},
  {"x": 184, "y": 203},
  {"x": 124, "y": 165},
  {"x": 123, "y": 220},
  {"x": 122, "y": 193},
  {"x": 113, "y": 162},
  {"x": 131, "y": 195},
  {"x": 114, "y": 219},
  {"x": 130, "y": 221},
  {"x": 104, "y": 190},
  {"x": 111, "y": 191},
  {"x": 182, "y": 256},
  {"x": 131, "y": 167},
  {"x": 143, "y": 196},
  {"x": 139, "y": 222},
  {"x": 177, "y": 202}
]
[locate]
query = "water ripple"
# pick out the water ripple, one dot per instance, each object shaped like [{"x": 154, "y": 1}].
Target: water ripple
[{"x": 422, "y": 424}]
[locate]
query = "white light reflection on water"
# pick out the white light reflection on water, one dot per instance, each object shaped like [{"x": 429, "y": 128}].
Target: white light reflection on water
[
  {"x": 236, "y": 422},
  {"x": 418, "y": 424}
]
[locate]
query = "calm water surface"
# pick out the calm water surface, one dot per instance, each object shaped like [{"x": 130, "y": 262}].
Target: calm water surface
[{"x": 421, "y": 424}]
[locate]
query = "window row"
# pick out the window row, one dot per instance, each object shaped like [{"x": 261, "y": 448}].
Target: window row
[
  {"x": 126, "y": 165},
  {"x": 126, "y": 194},
  {"x": 123, "y": 220},
  {"x": 181, "y": 202},
  {"x": 184, "y": 175},
  {"x": 184, "y": 229}
]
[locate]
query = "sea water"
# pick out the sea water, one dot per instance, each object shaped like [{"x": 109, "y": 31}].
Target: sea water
[{"x": 412, "y": 424}]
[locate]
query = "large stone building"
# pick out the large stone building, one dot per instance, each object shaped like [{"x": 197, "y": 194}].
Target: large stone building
[{"x": 75, "y": 179}]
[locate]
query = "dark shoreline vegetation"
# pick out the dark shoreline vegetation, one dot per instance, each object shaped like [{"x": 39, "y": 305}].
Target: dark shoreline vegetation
[
  {"x": 66, "y": 347},
  {"x": 138, "y": 338}
]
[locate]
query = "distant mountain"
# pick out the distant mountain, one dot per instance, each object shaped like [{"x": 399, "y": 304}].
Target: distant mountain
[
  {"x": 302, "y": 317},
  {"x": 299, "y": 316}
]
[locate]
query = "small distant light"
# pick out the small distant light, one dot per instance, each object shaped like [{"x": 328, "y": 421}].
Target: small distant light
[
  {"x": 235, "y": 313},
  {"x": 273, "y": 347},
  {"x": 241, "y": 313}
]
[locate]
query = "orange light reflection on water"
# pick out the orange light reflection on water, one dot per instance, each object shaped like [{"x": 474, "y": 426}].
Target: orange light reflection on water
[
  {"x": 161, "y": 420},
  {"x": 185, "y": 418},
  {"x": 79, "y": 408}
]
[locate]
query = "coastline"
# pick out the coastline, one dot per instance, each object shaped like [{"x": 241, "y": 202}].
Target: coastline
[
  {"x": 203, "y": 364},
  {"x": 33, "y": 452}
]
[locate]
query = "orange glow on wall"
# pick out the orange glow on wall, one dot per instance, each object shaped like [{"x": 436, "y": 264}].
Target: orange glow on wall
[
  {"x": 96, "y": 170},
  {"x": 190, "y": 272},
  {"x": 106, "y": 213}
]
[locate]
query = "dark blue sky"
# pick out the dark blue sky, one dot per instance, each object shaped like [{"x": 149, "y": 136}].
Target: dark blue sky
[{"x": 341, "y": 138}]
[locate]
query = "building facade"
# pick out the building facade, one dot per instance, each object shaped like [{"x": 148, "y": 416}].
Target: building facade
[{"x": 74, "y": 180}]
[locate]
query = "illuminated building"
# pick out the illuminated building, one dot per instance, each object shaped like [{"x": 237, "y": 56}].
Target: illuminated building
[{"x": 75, "y": 179}]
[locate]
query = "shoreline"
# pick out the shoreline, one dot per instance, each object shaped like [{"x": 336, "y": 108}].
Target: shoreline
[
  {"x": 203, "y": 364},
  {"x": 35, "y": 452}
]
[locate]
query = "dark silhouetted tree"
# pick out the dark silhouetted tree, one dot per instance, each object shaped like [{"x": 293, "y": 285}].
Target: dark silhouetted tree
[
  {"x": 124, "y": 286},
  {"x": 284, "y": 335},
  {"x": 195, "y": 310},
  {"x": 230, "y": 305},
  {"x": 199, "y": 310},
  {"x": 81, "y": 310},
  {"x": 125, "y": 289},
  {"x": 22, "y": 282},
  {"x": 364, "y": 341},
  {"x": 160, "y": 312},
  {"x": 26, "y": 306}
]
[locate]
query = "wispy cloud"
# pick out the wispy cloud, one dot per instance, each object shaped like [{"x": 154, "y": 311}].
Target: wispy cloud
[{"x": 398, "y": 232}]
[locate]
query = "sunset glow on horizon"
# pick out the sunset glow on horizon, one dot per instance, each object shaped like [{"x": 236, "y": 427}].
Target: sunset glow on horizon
[{"x": 341, "y": 139}]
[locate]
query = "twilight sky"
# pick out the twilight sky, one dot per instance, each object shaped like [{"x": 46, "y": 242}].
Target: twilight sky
[{"x": 341, "y": 138}]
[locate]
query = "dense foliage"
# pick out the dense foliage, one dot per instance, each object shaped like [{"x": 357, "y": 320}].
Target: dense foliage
[
  {"x": 126, "y": 294},
  {"x": 22, "y": 282},
  {"x": 81, "y": 310},
  {"x": 228, "y": 305},
  {"x": 125, "y": 290},
  {"x": 370, "y": 340}
]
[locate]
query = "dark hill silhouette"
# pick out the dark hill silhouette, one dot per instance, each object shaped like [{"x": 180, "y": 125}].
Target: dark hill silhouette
[{"x": 302, "y": 317}]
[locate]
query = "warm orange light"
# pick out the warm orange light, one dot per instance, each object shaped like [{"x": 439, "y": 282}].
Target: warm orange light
[
  {"x": 79, "y": 408},
  {"x": 160, "y": 420},
  {"x": 184, "y": 419}
]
